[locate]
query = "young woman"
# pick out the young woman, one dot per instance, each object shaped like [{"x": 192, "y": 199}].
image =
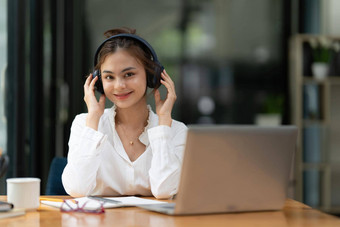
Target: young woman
[{"x": 127, "y": 149}]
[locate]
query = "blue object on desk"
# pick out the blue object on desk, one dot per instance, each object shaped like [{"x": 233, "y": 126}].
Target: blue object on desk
[{"x": 54, "y": 184}]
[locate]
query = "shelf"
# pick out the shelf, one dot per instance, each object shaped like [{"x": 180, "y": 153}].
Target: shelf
[
  {"x": 320, "y": 166},
  {"x": 309, "y": 122},
  {"x": 335, "y": 80},
  {"x": 311, "y": 80},
  {"x": 330, "y": 79},
  {"x": 316, "y": 112}
]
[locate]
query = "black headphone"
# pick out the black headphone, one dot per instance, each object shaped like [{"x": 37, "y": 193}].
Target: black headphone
[{"x": 153, "y": 80}]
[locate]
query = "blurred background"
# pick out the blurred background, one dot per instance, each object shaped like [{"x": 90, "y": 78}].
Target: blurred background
[{"x": 230, "y": 60}]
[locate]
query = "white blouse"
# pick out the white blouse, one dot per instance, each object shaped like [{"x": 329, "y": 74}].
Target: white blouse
[{"x": 97, "y": 163}]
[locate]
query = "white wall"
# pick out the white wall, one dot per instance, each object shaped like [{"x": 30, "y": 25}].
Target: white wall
[{"x": 330, "y": 17}]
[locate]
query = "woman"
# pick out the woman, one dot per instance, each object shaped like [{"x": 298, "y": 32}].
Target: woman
[{"x": 127, "y": 149}]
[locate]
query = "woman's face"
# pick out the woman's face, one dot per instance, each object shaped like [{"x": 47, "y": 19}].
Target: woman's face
[{"x": 124, "y": 79}]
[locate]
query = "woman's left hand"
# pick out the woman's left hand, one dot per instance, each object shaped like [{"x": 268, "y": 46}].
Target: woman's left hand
[{"x": 164, "y": 107}]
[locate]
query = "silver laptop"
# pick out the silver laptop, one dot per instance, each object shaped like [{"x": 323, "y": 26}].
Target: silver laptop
[{"x": 233, "y": 169}]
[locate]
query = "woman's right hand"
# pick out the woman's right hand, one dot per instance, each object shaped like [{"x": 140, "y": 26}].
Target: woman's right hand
[{"x": 95, "y": 108}]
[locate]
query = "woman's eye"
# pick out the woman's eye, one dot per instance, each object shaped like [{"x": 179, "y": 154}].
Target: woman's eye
[
  {"x": 109, "y": 77},
  {"x": 129, "y": 74}
]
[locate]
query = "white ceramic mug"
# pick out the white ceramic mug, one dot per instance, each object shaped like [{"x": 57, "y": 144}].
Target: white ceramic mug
[{"x": 24, "y": 192}]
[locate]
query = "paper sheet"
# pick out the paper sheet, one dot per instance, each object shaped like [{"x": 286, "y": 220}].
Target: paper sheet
[{"x": 93, "y": 204}]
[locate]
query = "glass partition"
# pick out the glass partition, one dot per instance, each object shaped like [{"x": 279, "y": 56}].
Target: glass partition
[
  {"x": 3, "y": 66},
  {"x": 227, "y": 58}
]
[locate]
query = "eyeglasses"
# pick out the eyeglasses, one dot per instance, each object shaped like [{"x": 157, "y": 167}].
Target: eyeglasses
[{"x": 73, "y": 206}]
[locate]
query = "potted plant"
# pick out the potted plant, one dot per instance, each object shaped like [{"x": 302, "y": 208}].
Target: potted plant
[
  {"x": 272, "y": 108},
  {"x": 321, "y": 51}
]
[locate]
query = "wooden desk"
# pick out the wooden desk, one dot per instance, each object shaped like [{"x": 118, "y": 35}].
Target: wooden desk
[{"x": 293, "y": 214}]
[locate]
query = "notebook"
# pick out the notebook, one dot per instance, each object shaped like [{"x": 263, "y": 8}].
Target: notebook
[
  {"x": 12, "y": 213},
  {"x": 233, "y": 169}
]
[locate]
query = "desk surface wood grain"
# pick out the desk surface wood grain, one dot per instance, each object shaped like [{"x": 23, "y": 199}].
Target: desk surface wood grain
[{"x": 293, "y": 214}]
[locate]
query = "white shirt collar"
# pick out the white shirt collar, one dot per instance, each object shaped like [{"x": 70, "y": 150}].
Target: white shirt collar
[{"x": 151, "y": 122}]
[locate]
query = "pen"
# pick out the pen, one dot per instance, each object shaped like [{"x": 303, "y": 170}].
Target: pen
[
  {"x": 51, "y": 199},
  {"x": 56, "y": 200},
  {"x": 4, "y": 206},
  {"x": 104, "y": 199}
]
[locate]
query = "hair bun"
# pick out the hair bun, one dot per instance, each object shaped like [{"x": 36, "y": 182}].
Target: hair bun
[{"x": 117, "y": 31}]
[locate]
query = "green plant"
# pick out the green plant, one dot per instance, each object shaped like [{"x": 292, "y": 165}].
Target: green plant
[
  {"x": 321, "y": 49},
  {"x": 273, "y": 104}
]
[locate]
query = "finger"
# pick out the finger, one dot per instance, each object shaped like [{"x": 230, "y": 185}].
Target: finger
[
  {"x": 88, "y": 79},
  {"x": 102, "y": 99},
  {"x": 166, "y": 84},
  {"x": 157, "y": 96},
  {"x": 171, "y": 90},
  {"x": 93, "y": 82},
  {"x": 167, "y": 78},
  {"x": 169, "y": 86},
  {"x": 165, "y": 75}
]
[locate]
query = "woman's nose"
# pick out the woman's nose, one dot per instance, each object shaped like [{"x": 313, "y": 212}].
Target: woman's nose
[{"x": 120, "y": 83}]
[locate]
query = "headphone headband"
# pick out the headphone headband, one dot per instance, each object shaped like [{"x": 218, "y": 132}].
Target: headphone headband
[{"x": 127, "y": 35}]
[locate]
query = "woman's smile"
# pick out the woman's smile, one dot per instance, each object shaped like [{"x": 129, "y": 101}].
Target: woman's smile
[{"x": 122, "y": 96}]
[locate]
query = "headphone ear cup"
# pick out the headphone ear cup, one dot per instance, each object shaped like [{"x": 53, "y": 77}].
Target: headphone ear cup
[
  {"x": 99, "y": 84},
  {"x": 154, "y": 80}
]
